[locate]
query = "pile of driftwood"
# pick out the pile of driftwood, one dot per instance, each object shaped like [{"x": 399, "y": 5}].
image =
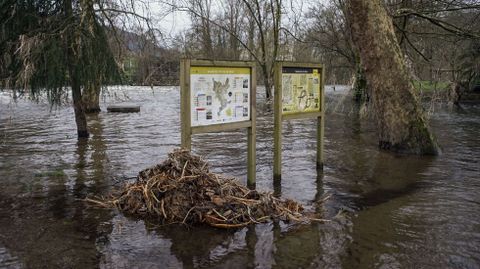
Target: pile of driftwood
[{"x": 182, "y": 190}]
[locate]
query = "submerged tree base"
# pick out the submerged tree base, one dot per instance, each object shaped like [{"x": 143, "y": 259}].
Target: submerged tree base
[
  {"x": 92, "y": 110},
  {"x": 182, "y": 190},
  {"x": 83, "y": 134}
]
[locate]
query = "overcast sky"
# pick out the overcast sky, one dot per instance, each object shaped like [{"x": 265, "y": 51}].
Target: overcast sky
[{"x": 171, "y": 23}]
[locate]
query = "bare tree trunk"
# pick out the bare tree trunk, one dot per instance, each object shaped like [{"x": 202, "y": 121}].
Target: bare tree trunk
[
  {"x": 91, "y": 90},
  {"x": 80, "y": 118},
  {"x": 266, "y": 81},
  {"x": 400, "y": 119},
  {"x": 268, "y": 87},
  {"x": 91, "y": 98}
]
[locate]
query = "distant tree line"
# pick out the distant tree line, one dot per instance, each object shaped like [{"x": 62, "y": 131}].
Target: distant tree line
[
  {"x": 142, "y": 60},
  {"x": 439, "y": 39}
]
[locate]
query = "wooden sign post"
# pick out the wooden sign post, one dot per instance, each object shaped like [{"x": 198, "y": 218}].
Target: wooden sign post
[
  {"x": 299, "y": 94},
  {"x": 218, "y": 96}
]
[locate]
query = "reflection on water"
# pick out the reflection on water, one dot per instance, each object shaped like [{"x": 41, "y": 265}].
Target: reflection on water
[{"x": 398, "y": 211}]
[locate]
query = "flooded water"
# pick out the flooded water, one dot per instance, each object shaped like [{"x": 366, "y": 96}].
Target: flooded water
[{"x": 395, "y": 211}]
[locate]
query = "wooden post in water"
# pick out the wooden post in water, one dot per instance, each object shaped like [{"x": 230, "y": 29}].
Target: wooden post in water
[
  {"x": 287, "y": 107},
  {"x": 185, "y": 104},
  {"x": 252, "y": 131},
  {"x": 277, "y": 124},
  {"x": 321, "y": 122}
]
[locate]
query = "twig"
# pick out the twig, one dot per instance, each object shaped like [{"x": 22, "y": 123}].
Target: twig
[
  {"x": 220, "y": 215},
  {"x": 326, "y": 198},
  {"x": 319, "y": 220},
  {"x": 183, "y": 170},
  {"x": 184, "y": 219},
  {"x": 229, "y": 226},
  {"x": 106, "y": 205},
  {"x": 163, "y": 209}
]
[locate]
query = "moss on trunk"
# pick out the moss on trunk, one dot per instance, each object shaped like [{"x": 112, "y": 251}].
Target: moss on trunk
[{"x": 360, "y": 94}]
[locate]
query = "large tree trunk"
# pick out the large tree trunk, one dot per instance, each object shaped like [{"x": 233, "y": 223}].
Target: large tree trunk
[
  {"x": 91, "y": 98},
  {"x": 401, "y": 122},
  {"x": 72, "y": 58}
]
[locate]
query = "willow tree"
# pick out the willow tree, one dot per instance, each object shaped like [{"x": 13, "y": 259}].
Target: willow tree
[
  {"x": 54, "y": 46},
  {"x": 401, "y": 122}
]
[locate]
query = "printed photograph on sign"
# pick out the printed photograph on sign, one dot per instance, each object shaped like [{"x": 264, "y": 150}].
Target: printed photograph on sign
[
  {"x": 300, "y": 90},
  {"x": 219, "y": 95}
]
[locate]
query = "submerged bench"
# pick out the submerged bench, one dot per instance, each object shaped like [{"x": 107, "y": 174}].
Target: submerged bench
[{"x": 124, "y": 108}]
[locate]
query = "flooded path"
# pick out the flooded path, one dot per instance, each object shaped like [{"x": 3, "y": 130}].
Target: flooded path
[{"x": 398, "y": 211}]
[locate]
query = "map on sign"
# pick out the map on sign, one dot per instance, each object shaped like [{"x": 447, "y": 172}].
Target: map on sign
[
  {"x": 219, "y": 95},
  {"x": 300, "y": 90}
]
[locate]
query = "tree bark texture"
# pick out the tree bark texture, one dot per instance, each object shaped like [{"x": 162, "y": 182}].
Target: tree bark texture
[
  {"x": 80, "y": 118},
  {"x": 91, "y": 98},
  {"x": 73, "y": 72},
  {"x": 360, "y": 93},
  {"x": 267, "y": 82},
  {"x": 400, "y": 119}
]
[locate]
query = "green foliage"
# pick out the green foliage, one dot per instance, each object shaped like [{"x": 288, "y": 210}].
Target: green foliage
[
  {"x": 54, "y": 173},
  {"x": 430, "y": 86},
  {"x": 34, "y": 39}
]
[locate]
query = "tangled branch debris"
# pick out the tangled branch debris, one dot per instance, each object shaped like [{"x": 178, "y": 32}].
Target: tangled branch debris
[{"x": 182, "y": 190}]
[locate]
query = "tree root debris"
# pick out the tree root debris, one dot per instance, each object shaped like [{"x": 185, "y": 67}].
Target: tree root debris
[{"x": 182, "y": 190}]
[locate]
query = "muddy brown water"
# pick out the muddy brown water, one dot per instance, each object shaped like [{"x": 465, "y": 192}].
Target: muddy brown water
[{"x": 398, "y": 211}]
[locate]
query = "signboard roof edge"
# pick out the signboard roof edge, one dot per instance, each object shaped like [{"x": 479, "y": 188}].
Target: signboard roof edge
[
  {"x": 220, "y": 63},
  {"x": 300, "y": 64}
]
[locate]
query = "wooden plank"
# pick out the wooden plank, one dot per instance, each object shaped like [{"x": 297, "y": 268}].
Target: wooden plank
[
  {"x": 220, "y": 127},
  {"x": 188, "y": 113},
  {"x": 302, "y": 115},
  {"x": 321, "y": 123},
  {"x": 182, "y": 102},
  {"x": 214, "y": 63},
  {"x": 123, "y": 108},
  {"x": 251, "y": 132},
  {"x": 185, "y": 103},
  {"x": 303, "y": 64},
  {"x": 277, "y": 132}
]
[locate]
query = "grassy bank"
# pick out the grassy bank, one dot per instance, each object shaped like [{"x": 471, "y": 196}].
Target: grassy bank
[{"x": 430, "y": 86}]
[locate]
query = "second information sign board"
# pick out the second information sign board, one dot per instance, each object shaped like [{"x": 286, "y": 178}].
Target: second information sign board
[{"x": 299, "y": 93}]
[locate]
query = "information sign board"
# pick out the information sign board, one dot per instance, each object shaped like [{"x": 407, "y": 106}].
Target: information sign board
[
  {"x": 299, "y": 94},
  {"x": 219, "y": 95},
  {"x": 300, "y": 90}
]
